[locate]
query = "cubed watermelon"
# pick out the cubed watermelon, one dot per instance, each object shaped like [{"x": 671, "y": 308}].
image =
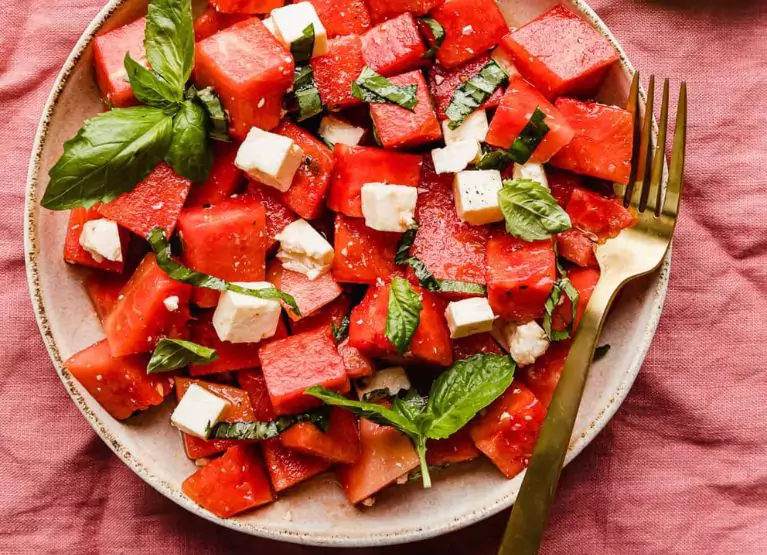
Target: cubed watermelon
[
  {"x": 562, "y": 184},
  {"x": 342, "y": 17},
  {"x": 514, "y": 112},
  {"x": 246, "y": 6},
  {"x": 401, "y": 128},
  {"x": 325, "y": 317},
  {"x": 223, "y": 180},
  {"x": 296, "y": 363},
  {"x": 471, "y": 28},
  {"x": 212, "y": 21},
  {"x": 381, "y": 10},
  {"x": 337, "y": 69},
  {"x": 362, "y": 254},
  {"x": 560, "y": 53},
  {"x": 356, "y": 364},
  {"x": 139, "y": 318},
  {"x": 394, "y": 46},
  {"x": 310, "y": 295},
  {"x": 584, "y": 280},
  {"x": 250, "y": 70},
  {"x": 596, "y": 214},
  {"x": 443, "y": 82},
  {"x": 339, "y": 444},
  {"x": 109, "y": 51},
  {"x": 520, "y": 275},
  {"x": 119, "y": 384},
  {"x": 459, "y": 447},
  {"x": 288, "y": 467},
  {"x": 231, "y": 484},
  {"x": 103, "y": 291},
  {"x": 542, "y": 376},
  {"x": 577, "y": 247},
  {"x": 603, "y": 140},
  {"x": 74, "y": 253},
  {"x": 254, "y": 383},
  {"x": 357, "y": 165},
  {"x": 479, "y": 343},
  {"x": 278, "y": 213},
  {"x": 155, "y": 202}
]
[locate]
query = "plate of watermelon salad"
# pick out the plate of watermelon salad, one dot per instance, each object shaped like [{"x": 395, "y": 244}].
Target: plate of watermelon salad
[{"x": 322, "y": 261}]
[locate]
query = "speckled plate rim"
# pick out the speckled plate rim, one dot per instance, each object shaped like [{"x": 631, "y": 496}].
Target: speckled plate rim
[{"x": 503, "y": 501}]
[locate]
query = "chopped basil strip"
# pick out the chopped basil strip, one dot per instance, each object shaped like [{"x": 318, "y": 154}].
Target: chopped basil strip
[
  {"x": 474, "y": 91},
  {"x": 560, "y": 269},
  {"x": 530, "y": 211},
  {"x": 562, "y": 285},
  {"x": 403, "y": 314},
  {"x": 219, "y": 123},
  {"x": 529, "y": 138},
  {"x": 374, "y": 88},
  {"x": 172, "y": 354},
  {"x": 304, "y": 102},
  {"x": 179, "y": 272},
  {"x": 341, "y": 331},
  {"x": 450, "y": 286},
  {"x": 601, "y": 351},
  {"x": 494, "y": 159},
  {"x": 404, "y": 245},
  {"x": 303, "y": 47},
  {"x": 266, "y": 430},
  {"x": 437, "y": 37}
]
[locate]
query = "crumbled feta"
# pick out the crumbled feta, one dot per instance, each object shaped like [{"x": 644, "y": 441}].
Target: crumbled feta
[
  {"x": 474, "y": 127},
  {"x": 476, "y": 196},
  {"x": 524, "y": 342},
  {"x": 304, "y": 250},
  {"x": 456, "y": 156},
  {"x": 388, "y": 207},
  {"x": 171, "y": 303},
  {"x": 241, "y": 318},
  {"x": 335, "y": 130},
  {"x": 392, "y": 380},
  {"x": 198, "y": 411},
  {"x": 469, "y": 316},
  {"x": 531, "y": 170},
  {"x": 291, "y": 20},
  {"x": 101, "y": 238},
  {"x": 269, "y": 158}
]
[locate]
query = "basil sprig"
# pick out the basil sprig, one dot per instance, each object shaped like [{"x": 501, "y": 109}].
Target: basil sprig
[
  {"x": 266, "y": 430},
  {"x": 374, "y": 88},
  {"x": 455, "y": 398},
  {"x": 474, "y": 91},
  {"x": 305, "y": 100},
  {"x": 161, "y": 248},
  {"x": 437, "y": 37},
  {"x": 172, "y": 354},
  {"x": 530, "y": 211},
  {"x": 529, "y": 138},
  {"x": 403, "y": 314},
  {"x": 561, "y": 286},
  {"x": 303, "y": 46}
]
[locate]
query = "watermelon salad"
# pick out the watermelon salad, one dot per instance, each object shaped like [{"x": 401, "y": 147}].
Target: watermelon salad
[{"x": 348, "y": 236}]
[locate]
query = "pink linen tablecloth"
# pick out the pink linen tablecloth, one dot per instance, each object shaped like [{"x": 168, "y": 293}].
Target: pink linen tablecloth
[{"x": 681, "y": 469}]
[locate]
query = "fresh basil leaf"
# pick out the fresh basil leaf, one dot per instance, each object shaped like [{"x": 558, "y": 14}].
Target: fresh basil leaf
[
  {"x": 341, "y": 331},
  {"x": 188, "y": 153},
  {"x": 305, "y": 101},
  {"x": 450, "y": 286},
  {"x": 161, "y": 248},
  {"x": 303, "y": 46},
  {"x": 172, "y": 354},
  {"x": 110, "y": 154},
  {"x": 530, "y": 211},
  {"x": 374, "y": 88},
  {"x": 459, "y": 393},
  {"x": 403, "y": 314},
  {"x": 562, "y": 285},
  {"x": 437, "y": 32},
  {"x": 266, "y": 430},
  {"x": 494, "y": 159},
  {"x": 219, "y": 122},
  {"x": 601, "y": 351},
  {"x": 474, "y": 91},
  {"x": 411, "y": 405},
  {"x": 529, "y": 138},
  {"x": 561, "y": 271},
  {"x": 169, "y": 41},
  {"x": 405, "y": 244},
  {"x": 148, "y": 87}
]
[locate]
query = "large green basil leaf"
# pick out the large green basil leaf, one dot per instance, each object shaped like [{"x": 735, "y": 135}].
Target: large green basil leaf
[
  {"x": 148, "y": 87},
  {"x": 188, "y": 153},
  {"x": 172, "y": 354},
  {"x": 169, "y": 41},
  {"x": 530, "y": 211}
]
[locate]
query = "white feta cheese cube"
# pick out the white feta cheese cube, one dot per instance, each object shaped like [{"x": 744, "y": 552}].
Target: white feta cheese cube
[
  {"x": 241, "y": 318},
  {"x": 304, "y": 250},
  {"x": 531, "y": 170},
  {"x": 524, "y": 342},
  {"x": 469, "y": 316},
  {"x": 456, "y": 156},
  {"x": 171, "y": 303},
  {"x": 269, "y": 24},
  {"x": 388, "y": 207},
  {"x": 291, "y": 20},
  {"x": 198, "y": 411},
  {"x": 101, "y": 238},
  {"x": 503, "y": 59},
  {"x": 473, "y": 128},
  {"x": 335, "y": 130},
  {"x": 269, "y": 158},
  {"x": 476, "y": 196},
  {"x": 391, "y": 380}
]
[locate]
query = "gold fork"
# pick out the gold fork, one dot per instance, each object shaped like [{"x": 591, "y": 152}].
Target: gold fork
[{"x": 636, "y": 251}]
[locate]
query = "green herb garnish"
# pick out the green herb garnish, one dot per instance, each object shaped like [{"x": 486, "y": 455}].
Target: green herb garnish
[
  {"x": 376, "y": 89},
  {"x": 474, "y": 91},
  {"x": 219, "y": 130},
  {"x": 172, "y": 354},
  {"x": 562, "y": 285},
  {"x": 530, "y": 211},
  {"x": 529, "y": 138},
  {"x": 341, "y": 331},
  {"x": 303, "y": 47},
  {"x": 266, "y": 430},
  {"x": 304, "y": 102},
  {"x": 403, "y": 314},
  {"x": 437, "y": 35}
]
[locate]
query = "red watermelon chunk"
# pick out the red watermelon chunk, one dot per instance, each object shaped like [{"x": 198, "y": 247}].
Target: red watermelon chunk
[
  {"x": 109, "y": 51},
  {"x": 103, "y": 291},
  {"x": 325, "y": 317},
  {"x": 254, "y": 383},
  {"x": 520, "y": 276},
  {"x": 443, "y": 82},
  {"x": 471, "y": 28},
  {"x": 296, "y": 363},
  {"x": 288, "y": 467},
  {"x": 250, "y": 71},
  {"x": 584, "y": 280},
  {"x": 230, "y": 484},
  {"x": 246, "y": 6},
  {"x": 357, "y": 165},
  {"x": 337, "y": 69},
  {"x": 457, "y": 448},
  {"x": 306, "y": 196},
  {"x": 119, "y": 384},
  {"x": 362, "y": 255},
  {"x": 477, "y": 344},
  {"x": 560, "y": 53},
  {"x": 542, "y": 376},
  {"x": 212, "y": 21},
  {"x": 310, "y": 295},
  {"x": 342, "y": 17},
  {"x": 514, "y": 112},
  {"x": 278, "y": 213},
  {"x": 223, "y": 180},
  {"x": 598, "y": 215},
  {"x": 356, "y": 364},
  {"x": 155, "y": 202},
  {"x": 74, "y": 253},
  {"x": 139, "y": 318},
  {"x": 562, "y": 184},
  {"x": 401, "y": 128},
  {"x": 339, "y": 444},
  {"x": 381, "y": 10},
  {"x": 508, "y": 429},
  {"x": 603, "y": 140},
  {"x": 577, "y": 247},
  {"x": 394, "y": 46}
]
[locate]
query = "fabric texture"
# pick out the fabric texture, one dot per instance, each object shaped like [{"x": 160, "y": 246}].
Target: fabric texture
[{"x": 682, "y": 468}]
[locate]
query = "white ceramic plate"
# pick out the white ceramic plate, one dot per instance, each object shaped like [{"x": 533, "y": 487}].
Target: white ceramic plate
[{"x": 316, "y": 512}]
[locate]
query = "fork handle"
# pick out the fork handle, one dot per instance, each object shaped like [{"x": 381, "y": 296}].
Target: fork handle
[{"x": 530, "y": 512}]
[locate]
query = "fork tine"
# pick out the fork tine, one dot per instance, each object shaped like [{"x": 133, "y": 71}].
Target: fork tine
[
  {"x": 645, "y": 149},
  {"x": 632, "y": 106},
  {"x": 676, "y": 169},
  {"x": 659, "y": 159}
]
